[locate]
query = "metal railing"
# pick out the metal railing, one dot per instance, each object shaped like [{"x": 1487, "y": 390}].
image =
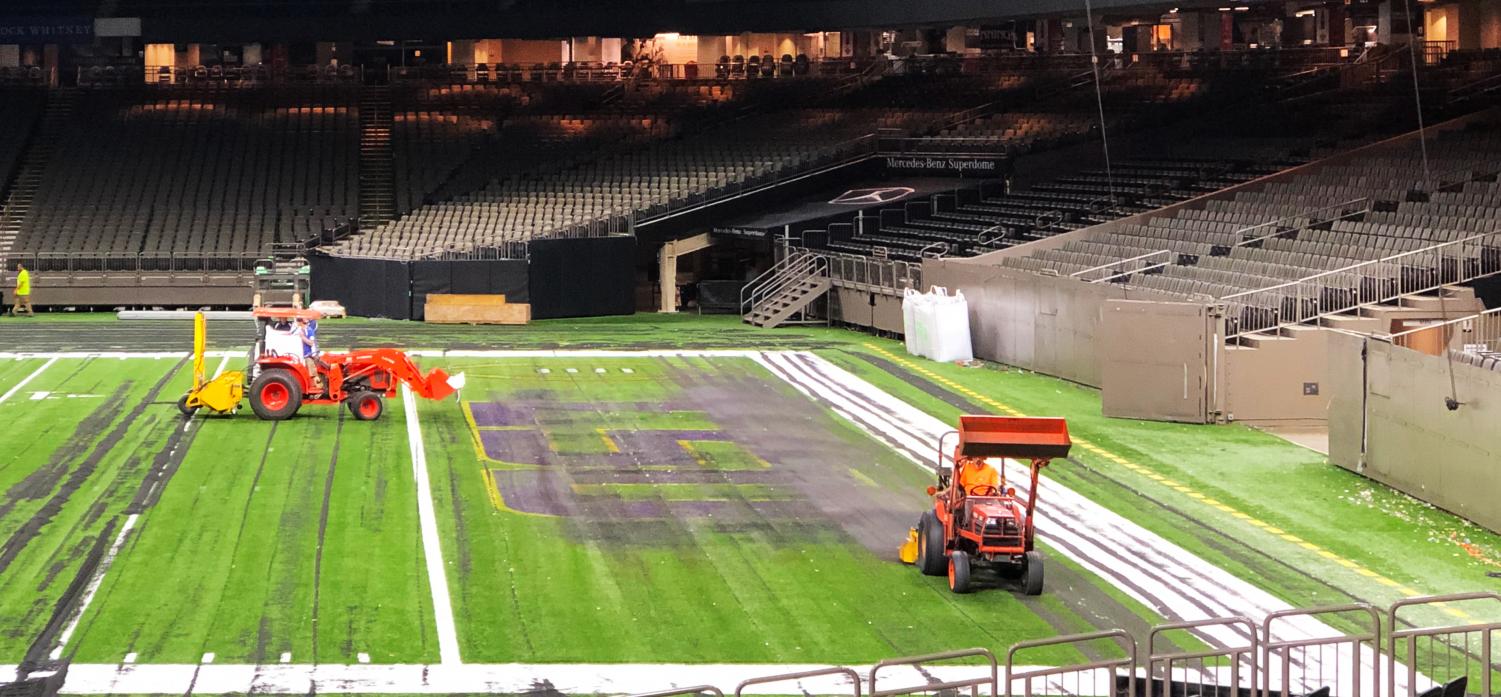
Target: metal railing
[
  {"x": 1478, "y": 332},
  {"x": 801, "y": 677},
  {"x": 595, "y": 71},
  {"x": 988, "y": 675},
  {"x": 1100, "y": 677},
  {"x": 1150, "y": 260},
  {"x": 889, "y": 276},
  {"x": 69, "y": 263},
  {"x": 1292, "y": 652},
  {"x": 1217, "y": 669},
  {"x": 1340, "y": 662},
  {"x": 1255, "y": 234},
  {"x": 796, "y": 268},
  {"x": 1369, "y": 282},
  {"x": 1423, "y": 656},
  {"x": 224, "y": 75}
]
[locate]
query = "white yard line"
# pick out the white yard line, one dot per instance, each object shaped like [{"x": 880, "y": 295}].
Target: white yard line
[
  {"x": 432, "y": 549},
  {"x": 93, "y": 588},
  {"x": 471, "y": 678},
  {"x": 27, "y": 379}
]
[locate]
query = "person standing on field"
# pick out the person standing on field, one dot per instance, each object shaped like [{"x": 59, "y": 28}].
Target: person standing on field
[{"x": 23, "y": 292}]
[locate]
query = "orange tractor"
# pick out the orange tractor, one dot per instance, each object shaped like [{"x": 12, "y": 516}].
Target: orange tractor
[
  {"x": 986, "y": 523},
  {"x": 282, "y": 378}
]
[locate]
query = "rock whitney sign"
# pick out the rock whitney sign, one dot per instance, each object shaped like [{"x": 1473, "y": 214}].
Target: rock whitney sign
[{"x": 50, "y": 30}]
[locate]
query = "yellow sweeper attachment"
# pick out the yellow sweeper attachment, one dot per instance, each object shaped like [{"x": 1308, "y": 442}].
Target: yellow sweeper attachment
[
  {"x": 223, "y": 393},
  {"x": 908, "y": 551}
]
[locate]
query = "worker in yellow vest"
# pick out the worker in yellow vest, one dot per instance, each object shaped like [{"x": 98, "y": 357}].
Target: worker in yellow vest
[{"x": 23, "y": 291}]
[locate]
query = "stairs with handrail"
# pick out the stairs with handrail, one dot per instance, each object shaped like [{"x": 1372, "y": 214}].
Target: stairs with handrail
[{"x": 786, "y": 291}]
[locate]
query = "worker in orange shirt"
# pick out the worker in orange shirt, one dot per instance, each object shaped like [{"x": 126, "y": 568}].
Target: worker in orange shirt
[{"x": 975, "y": 474}]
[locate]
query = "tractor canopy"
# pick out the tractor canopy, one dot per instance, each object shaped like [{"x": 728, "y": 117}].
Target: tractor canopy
[{"x": 1015, "y": 437}]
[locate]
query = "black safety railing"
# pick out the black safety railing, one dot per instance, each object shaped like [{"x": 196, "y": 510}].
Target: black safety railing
[{"x": 168, "y": 263}]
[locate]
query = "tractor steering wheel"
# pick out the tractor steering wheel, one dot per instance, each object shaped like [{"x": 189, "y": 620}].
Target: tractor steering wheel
[{"x": 984, "y": 490}]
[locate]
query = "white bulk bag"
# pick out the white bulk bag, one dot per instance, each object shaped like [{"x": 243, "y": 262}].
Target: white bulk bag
[
  {"x": 949, "y": 332},
  {"x": 924, "y": 319},
  {"x": 910, "y": 299}
]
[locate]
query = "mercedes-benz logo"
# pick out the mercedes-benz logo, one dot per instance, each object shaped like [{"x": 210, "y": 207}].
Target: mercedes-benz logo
[{"x": 864, "y": 197}]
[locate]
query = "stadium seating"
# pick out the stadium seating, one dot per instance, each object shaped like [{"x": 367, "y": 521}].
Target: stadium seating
[
  {"x": 1336, "y": 216},
  {"x": 197, "y": 171}
]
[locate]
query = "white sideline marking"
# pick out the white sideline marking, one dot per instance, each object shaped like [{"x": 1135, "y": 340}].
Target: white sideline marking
[
  {"x": 600, "y": 371},
  {"x": 222, "y": 364},
  {"x": 432, "y": 550},
  {"x": 39, "y": 395},
  {"x": 363, "y": 657},
  {"x": 208, "y": 657},
  {"x": 27, "y": 379},
  {"x": 570, "y": 370},
  {"x": 627, "y": 371},
  {"x": 286, "y": 657},
  {"x": 421, "y": 353},
  {"x": 473, "y": 678},
  {"x": 93, "y": 588},
  {"x": 129, "y": 658}
]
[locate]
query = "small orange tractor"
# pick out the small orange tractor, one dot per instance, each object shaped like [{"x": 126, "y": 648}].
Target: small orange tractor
[
  {"x": 986, "y": 524},
  {"x": 282, "y": 379}
]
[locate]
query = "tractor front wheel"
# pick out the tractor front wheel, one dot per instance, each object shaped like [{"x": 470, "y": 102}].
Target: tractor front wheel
[
  {"x": 275, "y": 395},
  {"x": 930, "y": 559},
  {"x": 182, "y": 406},
  {"x": 1032, "y": 575},
  {"x": 959, "y": 571},
  {"x": 366, "y": 406}
]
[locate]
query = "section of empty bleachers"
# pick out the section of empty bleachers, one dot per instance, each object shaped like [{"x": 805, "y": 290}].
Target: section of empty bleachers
[
  {"x": 19, "y": 109},
  {"x": 197, "y": 171},
  {"x": 1331, "y": 221}
]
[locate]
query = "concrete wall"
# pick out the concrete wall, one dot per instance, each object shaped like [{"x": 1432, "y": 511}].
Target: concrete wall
[
  {"x": 1047, "y": 324},
  {"x": 1392, "y": 402},
  {"x": 1281, "y": 380},
  {"x": 1160, "y": 361},
  {"x": 863, "y": 308}
]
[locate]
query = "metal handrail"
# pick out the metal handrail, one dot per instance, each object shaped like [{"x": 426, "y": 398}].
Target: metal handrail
[
  {"x": 792, "y": 270},
  {"x": 1365, "y": 200},
  {"x": 851, "y": 675},
  {"x": 1411, "y": 636},
  {"x": 1284, "y": 648},
  {"x": 937, "y": 685},
  {"x": 1118, "y": 262},
  {"x": 1452, "y": 265},
  {"x": 1165, "y": 660},
  {"x": 1132, "y": 272},
  {"x": 937, "y": 249},
  {"x": 1121, "y": 637}
]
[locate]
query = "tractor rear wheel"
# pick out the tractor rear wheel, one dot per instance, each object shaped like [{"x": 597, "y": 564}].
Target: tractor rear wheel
[
  {"x": 959, "y": 571},
  {"x": 930, "y": 559},
  {"x": 275, "y": 395},
  {"x": 1032, "y": 576},
  {"x": 182, "y": 406},
  {"x": 366, "y": 406}
]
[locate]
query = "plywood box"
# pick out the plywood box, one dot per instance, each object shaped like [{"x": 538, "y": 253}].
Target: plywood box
[{"x": 475, "y": 309}]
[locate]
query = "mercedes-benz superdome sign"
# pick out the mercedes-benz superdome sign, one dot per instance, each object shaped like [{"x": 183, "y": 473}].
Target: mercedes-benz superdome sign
[{"x": 947, "y": 165}]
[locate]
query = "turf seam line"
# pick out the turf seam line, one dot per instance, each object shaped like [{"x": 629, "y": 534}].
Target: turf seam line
[
  {"x": 93, "y": 587},
  {"x": 432, "y": 551}
]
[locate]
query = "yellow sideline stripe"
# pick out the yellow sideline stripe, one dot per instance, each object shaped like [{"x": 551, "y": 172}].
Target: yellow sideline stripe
[{"x": 1180, "y": 488}]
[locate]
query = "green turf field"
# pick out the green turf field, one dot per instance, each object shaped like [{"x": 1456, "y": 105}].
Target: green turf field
[{"x": 707, "y": 541}]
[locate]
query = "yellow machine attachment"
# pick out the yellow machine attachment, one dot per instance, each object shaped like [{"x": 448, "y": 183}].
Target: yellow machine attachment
[
  {"x": 908, "y": 551},
  {"x": 223, "y": 393}
]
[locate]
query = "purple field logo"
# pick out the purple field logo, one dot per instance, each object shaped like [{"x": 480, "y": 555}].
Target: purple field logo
[{"x": 599, "y": 463}]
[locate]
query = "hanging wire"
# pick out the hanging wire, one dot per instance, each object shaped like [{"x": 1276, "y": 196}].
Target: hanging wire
[
  {"x": 1417, "y": 95},
  {"x": 1417, "y": 99},
  {"x": 1099, "y": 99}
]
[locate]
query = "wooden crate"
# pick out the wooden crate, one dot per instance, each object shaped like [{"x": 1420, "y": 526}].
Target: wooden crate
[{"x": 475, "y": 309}]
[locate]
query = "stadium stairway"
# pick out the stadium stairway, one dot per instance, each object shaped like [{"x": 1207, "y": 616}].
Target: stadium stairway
[
  {"x": 377, "y": 169},
  {"x": 785, "y": 292},
  {"x": 17, "y": 206}
]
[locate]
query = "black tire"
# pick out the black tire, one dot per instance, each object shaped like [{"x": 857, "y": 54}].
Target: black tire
[
  {"x": 366, "y": 406},
  {"x": 182, "y": 406},
  {"x": 1032, "y": 575},
  {"x": 275, "y": 395},
  {"x": 930, "y": 559},
  {"x": 959, "y": 571}
]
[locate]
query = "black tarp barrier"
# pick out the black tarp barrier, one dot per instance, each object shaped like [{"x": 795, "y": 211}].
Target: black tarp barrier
[
  {"x": 507, "y": 277},
  {"x": 586, "y": 277},
  {"x": 399, "y": 289},
  {"x": 719, "y": 297}
]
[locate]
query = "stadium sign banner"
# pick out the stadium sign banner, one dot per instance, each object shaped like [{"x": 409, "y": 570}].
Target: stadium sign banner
[
  {"x": 947, "y": 165},
  {"x": 46, "y": 29}
]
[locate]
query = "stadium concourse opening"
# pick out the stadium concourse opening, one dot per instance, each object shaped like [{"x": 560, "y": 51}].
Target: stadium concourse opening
[{"x": 582, "y": 344}]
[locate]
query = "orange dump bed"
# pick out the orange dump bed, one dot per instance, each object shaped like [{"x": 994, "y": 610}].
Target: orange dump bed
[{"x": 1017, "y": 437}]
